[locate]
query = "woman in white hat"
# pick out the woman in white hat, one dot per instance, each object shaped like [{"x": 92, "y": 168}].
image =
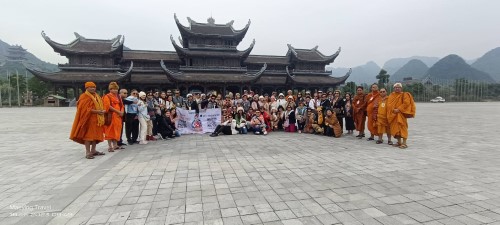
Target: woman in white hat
[{"x": 143, "y": 117}]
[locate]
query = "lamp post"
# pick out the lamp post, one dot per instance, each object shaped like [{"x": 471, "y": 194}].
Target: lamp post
[{"x": 10, "y": 95}]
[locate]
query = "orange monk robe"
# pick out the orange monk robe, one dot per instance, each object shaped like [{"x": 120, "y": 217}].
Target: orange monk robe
[
  {"x": 398, "y": 121},
  {"x": 113, "y": 131},
  {"x": 85, "y": 126},
  {"x": 371, "y": 100},
  {"x": 359, "y": 107},
  {"x": 382, "y": 122}
]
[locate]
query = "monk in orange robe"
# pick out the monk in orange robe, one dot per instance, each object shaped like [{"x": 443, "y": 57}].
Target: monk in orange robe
[
  {"x": 89, "y": 120},
  {"x": 359, "y": 111},
  {"x": 371, "y": 99},
  {"x": 381, "y": 117},
  {"x": 113, "y": 104},
  {"x": 400, "y": 106}
]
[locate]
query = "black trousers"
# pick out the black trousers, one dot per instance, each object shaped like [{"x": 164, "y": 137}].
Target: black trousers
[
  {"x": 328, "y": 131},
  {"x": 132, "y": 127},
  {"x": 223, "y": 129}
]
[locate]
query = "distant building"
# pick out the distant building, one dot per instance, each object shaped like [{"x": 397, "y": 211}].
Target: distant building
[
  {"x": 205, "y": 59},
  {"x": 54, "y": 101},
  {"x": 16, "y": 53}
]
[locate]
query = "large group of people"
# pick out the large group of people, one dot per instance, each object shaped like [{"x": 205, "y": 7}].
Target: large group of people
[{"x": 149, "y": 116}]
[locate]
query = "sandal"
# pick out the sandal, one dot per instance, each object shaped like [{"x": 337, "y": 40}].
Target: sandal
[
  {"x": 389, "y": 142},
  {"x": 118, "y": 148},
  {"x": 99, "y": 153},
  {"x": 403, "y": 146},
  {"x": 370, "y": 139},
  {"x": 89, "y": 156},
  {"x": 397, "y": 144},
  {"x": 111, "y": 150},
  {"x": 379, "y": 142}
]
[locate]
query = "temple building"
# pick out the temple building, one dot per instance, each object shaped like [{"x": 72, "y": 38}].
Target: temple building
[
  {"x": 206, "y": 58},
  {"x": 16, "y": 53}
]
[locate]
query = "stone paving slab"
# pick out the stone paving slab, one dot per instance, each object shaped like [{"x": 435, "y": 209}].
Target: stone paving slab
[{"x": 450, "y": 174}]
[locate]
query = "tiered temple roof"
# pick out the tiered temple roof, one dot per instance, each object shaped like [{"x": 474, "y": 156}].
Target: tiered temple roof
[
  {"x": 211, "y": 29},
  {"x": 207, "y": 55},
  {"x": 310, "y": 55},
  {"x": 227, "y": 54},
  {"x": 16, "y": 53},
  {"x": 84, "y": 46},
  {"x": 101, "y": 76}
]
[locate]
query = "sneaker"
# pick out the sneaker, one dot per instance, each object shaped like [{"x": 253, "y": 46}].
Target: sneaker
[
  {"x": 143, "y": 142},
  {"x": 265, "y": 132},
  {"x": 256, "y": 132}
]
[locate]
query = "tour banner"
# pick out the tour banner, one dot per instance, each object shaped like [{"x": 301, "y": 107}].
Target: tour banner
[{"x": 205, "y": 122}]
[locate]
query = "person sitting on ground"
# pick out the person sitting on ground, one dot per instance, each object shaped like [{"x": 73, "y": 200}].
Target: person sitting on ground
[
  {"x": 240, "y": 121},
  {"x": 332, "y": 125},
  {"x": 300, "y": 115},
  {"x": 267, "y": 118},
  {"x": 228, "y": 127},
  {"x": 308, "y": 128},
  {"x": 166, "y": 126},
  {"x": 249, "y": 114},
  {"x": 258, "y": 124}
]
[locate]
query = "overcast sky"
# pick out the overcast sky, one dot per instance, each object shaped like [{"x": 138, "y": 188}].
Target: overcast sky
[{"x": 366, "y": 30}]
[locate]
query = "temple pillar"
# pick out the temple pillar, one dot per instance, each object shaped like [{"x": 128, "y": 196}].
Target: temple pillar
[
  {"x": 65, "y": 89},
  {"x": 75, "y": 92}
]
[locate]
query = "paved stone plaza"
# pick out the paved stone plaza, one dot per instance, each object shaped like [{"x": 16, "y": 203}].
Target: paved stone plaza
[{"x": 450, "y": 174}]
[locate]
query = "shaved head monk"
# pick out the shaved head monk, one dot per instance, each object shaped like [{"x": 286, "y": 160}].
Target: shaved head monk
[
  {"x": 359, "y": 111},
  {"x": 89, "y": 121},
  {"x": 400, "y": 106},
  {"x": 371, "y": 100}
]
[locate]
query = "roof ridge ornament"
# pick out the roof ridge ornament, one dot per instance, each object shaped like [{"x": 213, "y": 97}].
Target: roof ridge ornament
[
  {"x": 211, "y": 21},
  {"x": 78, "y": 36},
  {"x": 128, "y": 72},
  {"x": 291, "y": 49},
  {"x": 315, "y": 48},
  {"x": 259, "y": 73},
  {"x": 45, "y": 36},
  {"x": 230, "y": 23}
]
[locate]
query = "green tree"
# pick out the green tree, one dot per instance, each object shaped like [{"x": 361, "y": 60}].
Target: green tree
[
  {"x": 349, "y": 87},
  {"x": 383, "y": 78},
  {"x": 40, "y": 89}
]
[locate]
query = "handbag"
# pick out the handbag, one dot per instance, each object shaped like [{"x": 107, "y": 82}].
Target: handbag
[
  {"x": 286, "y": 123},
  {"x": 108, "y": 116}
]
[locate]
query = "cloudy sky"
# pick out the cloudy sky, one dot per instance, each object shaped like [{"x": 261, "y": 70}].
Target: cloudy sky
[{"x": 366, "y": 30}]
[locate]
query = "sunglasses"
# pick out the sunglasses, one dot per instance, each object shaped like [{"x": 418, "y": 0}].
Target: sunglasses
[{"x": 134, "y": 93}]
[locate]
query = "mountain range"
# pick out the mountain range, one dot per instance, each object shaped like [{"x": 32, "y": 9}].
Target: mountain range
[
  {"x": 485, "y": 68},
  {"x": 453, "y": 67},
  {"x": 489, "y": 63}
]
